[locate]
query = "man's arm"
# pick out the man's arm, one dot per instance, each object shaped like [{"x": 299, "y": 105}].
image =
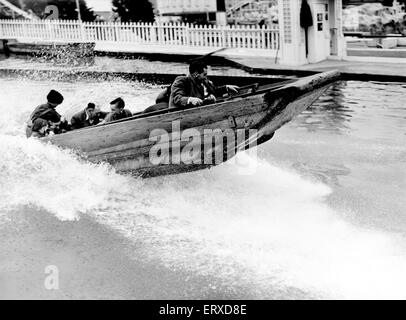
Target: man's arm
[
  {"x": 227, "y": 89},
  {"x": 109, "y": 118},
  {"x": 219, "y": 91},
  {"x": 179, "y": 94},
  {"x": 46, "y": 113},
  {"x": 100, "y": 116},
  {"x": 53, "y": 116},
  {"x": 76, "y": 122},
  {"x": 222, "y": 90}
]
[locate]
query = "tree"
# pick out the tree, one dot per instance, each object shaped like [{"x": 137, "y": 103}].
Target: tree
[
  {"x": 5, "y": 13},
  {"x": 67, "y": 8},
  {"x": 134, "y": 10}
]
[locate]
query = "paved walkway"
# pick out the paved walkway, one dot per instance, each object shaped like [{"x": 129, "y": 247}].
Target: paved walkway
[{"x": 372, "y": 70}]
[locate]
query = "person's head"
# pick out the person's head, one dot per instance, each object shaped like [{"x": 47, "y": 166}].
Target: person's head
[
  {"x": 198, "y": 70},
  {"x": 40, "y": 125},
  {"x": 54, "y": 98},
  {"x": 90, "y": 109},
  {"x": 117, "y": 105}
]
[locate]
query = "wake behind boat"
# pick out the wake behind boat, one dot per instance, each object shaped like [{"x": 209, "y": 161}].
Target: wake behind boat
[{"x": 177, "y": 140}]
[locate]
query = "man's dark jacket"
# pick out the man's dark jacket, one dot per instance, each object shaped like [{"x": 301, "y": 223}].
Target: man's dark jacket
[
  {"x": 114, "y": 116},
  {"x": 46, "y": 112},
  {"x": 80, "y": 120},
  {"x": 185, "y": 87}
]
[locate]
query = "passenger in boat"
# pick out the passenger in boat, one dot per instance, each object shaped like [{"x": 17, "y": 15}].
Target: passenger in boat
[
  {"x": 196, "y": 89},
  {"x": 40, "y": 128},
  {"x": 91, "y": 116},
  {"x": 164, "y": 95},
  {"x": 48, "y": 113},
  {"x": 117, "y": 111}
]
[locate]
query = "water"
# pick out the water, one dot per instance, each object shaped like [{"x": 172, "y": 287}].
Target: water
[
  {"x": 323, "y": 216},
  {"x": 111, "y": 64}
]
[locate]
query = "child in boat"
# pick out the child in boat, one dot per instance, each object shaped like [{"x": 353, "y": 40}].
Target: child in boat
[
  {"x": 117, "y": 111},
  {"x": 48, "y": 113},
  {"x": 90, "y": 116},
  {"x": 40, "y": 128}
]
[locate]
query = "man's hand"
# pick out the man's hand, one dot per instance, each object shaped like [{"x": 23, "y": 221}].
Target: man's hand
[
  {"x": 210, "y": 99},
  {"x": 195, "y": 101},
  {"x": 232, "y": 89}
]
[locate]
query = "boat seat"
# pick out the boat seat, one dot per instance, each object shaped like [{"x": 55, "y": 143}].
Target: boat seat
[{"x": 157, "y": 107}]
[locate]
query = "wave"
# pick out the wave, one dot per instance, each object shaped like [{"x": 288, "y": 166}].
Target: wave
[
  {"x": 271, "y": 230},
  {"x": 43, "y": 176}
]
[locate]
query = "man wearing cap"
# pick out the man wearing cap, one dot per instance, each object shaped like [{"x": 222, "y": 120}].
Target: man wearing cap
[
  {"x": 46, "y": 112},
  {"x": 196, "y": 89},
  {"x": 91, "y": 116}
]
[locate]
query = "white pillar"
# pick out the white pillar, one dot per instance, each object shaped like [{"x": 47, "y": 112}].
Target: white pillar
[
  {"x": 341, "y": 43},
  {"x": 221, "y": 18},
  {"x": 292, "y": 50}
]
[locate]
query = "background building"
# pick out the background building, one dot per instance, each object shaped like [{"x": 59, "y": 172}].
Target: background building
[
  {"x": 216, "y": 11},
  {"x": 188, "y": 10},
  {"x": 324, "y": 39},
  {"x": 325, "y": 36}
]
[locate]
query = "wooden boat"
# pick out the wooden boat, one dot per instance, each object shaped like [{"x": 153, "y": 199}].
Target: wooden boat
[{"x": 167, "y": 141}]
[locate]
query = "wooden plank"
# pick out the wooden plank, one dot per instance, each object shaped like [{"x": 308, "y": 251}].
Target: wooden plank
[
  {"x": 208, "y": 154},
  {"x": 248, "y": 121}
]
